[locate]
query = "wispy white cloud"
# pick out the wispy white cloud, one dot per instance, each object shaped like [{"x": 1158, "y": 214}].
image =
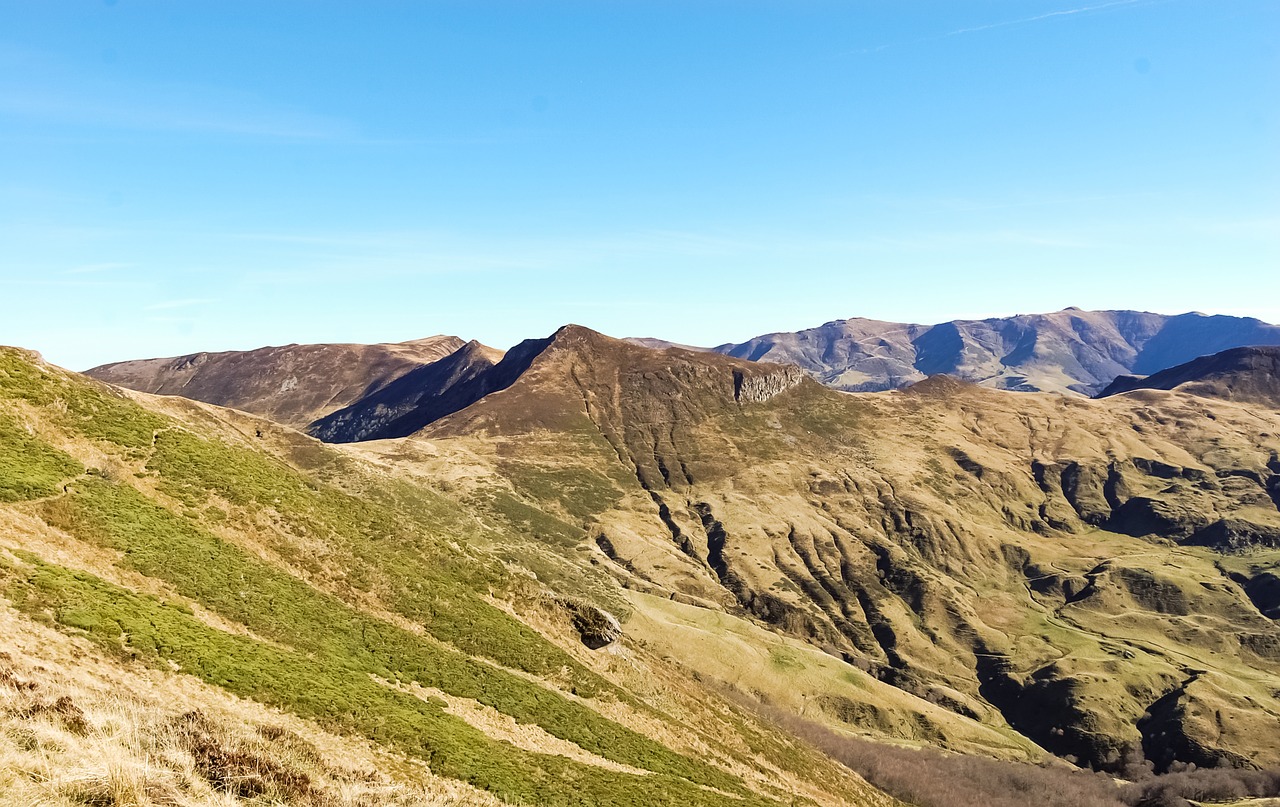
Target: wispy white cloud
[
  {"x": 1020, "y": 200},
  {"x": 36, "y": 85},
  {"x": 1066, "y": 12},
  {"x": 972, "y": 29},
  {"x": 168, "y": 108},
  {"x": 70, "y": 283},
  {"x": 169, "y": 305},
  {"x": 1262, "y": 227},
  {"x": 94, "y": 268},
  {"x": 341, "y": 257}
]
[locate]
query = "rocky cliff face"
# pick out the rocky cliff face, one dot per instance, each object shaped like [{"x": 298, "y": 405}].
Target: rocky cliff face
[
  {"x": 1066, "y": 351},
  {"x": 758, "y": 388}
]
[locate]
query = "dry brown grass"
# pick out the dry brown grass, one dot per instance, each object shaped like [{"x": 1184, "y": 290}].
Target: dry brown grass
[{"x": 77, "y": 729}]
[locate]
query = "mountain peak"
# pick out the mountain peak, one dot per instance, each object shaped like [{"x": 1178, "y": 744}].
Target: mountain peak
[{"x": 573, "y": 330}]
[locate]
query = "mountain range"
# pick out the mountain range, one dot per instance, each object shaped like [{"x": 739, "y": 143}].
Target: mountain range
[
  {"x": 1070, "y": 351},
  {"x": 591, "y": 571},
  {"x": 1065, "y": 351}
]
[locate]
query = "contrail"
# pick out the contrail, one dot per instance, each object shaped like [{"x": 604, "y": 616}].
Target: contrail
[
  {"x": 1063, "y": 13},
  {"x": 1023, "y": 21}
]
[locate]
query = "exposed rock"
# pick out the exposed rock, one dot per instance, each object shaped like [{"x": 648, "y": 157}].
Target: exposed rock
[
  {"x": 597, "y": 627},
  {"x": 758, "y": 388}
]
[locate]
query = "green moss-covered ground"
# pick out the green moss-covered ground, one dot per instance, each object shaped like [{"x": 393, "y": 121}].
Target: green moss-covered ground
[{"x": 313, "y": 651}]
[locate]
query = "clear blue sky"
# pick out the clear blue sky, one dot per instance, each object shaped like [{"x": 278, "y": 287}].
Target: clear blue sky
[{"x": 186, "y": 175}]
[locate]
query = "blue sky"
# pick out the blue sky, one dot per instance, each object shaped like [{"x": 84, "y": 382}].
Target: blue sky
[{"x": 182, "y": 176}]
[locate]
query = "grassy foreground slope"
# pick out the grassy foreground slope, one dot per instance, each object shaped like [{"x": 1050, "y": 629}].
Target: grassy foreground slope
[{"x": 184, "y": 542}]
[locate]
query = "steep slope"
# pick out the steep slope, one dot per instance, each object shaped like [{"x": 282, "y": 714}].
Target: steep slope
[
  {"x": 416, "y": 398},
  {"x": 1248, "y": 374},
  {"x": 93, "y": 731},
  {"x": 293, "y": 384},
  {"x": 1065, "y": 351},
  {"x": 960, "y": 566},
  {"x": 210, "y": 551}
]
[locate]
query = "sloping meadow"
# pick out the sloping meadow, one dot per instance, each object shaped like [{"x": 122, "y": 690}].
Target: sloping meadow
[{"x": 335, "y": 595}]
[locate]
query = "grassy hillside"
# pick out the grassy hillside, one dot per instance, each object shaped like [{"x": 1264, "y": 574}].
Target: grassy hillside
[
  {"x": 991, "y": 572},
  {"x": 188, "y": 544},
  {"x": 1032, "y": 580}
]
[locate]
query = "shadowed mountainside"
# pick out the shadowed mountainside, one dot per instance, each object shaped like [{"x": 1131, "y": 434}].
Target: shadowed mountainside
[
  {"x": 451, "y": 385},
  {"x": 1246, "y": 374},
  {"x": 421, "y": 395},
  {"x": 293, "y": 384},
  {"x": 1065, "y": 351}
]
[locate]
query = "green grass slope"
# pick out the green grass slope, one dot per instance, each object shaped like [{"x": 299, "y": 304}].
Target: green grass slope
[{"x": 299, "y": 578}]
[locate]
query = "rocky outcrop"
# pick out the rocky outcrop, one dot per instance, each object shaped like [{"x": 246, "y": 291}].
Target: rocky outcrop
[
  {"x": 760, "y": 387},
  {"x": 597, "y": 627}
]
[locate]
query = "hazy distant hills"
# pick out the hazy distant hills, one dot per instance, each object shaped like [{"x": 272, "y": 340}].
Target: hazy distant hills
[
  {"x": 293, "y": 384},
  {"x": 1246, "y": 374},
  {"x": 1065, "y": 351}
]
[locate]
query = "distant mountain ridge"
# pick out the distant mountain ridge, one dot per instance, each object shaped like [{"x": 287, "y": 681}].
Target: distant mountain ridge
[
  {"x": 350, "y": 393},
  {"x": 1246, "y": 374},
  {"x": 1065, "y": 351},
  {"x": 291, "y": 384}
]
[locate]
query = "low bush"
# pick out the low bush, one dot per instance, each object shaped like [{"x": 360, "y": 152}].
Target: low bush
[
  {"x": 85, "y": 407},
  {"x": 931, "y": 778},
  {"x": 28, "y": 468}
]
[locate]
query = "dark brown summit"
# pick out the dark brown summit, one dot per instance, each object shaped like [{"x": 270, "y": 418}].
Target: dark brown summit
[
  {"x": 560, "y": 382},
  {"x": 1245, "y": 374},
  {"x": 421, "y": 396}
]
